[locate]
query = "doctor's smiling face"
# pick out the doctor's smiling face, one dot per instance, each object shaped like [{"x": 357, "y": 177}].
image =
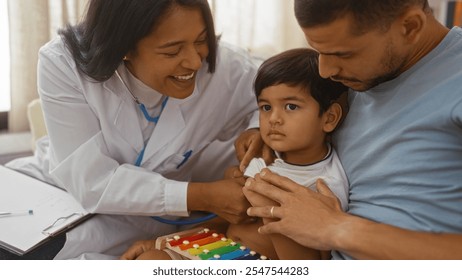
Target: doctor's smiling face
[{"x": 167, "y": 60}]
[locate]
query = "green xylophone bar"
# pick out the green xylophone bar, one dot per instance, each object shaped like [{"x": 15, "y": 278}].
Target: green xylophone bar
[{"x": 233, "y": 246}]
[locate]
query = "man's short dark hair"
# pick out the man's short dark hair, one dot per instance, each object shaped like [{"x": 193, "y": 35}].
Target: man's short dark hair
[{"x": 368, "y": 14}]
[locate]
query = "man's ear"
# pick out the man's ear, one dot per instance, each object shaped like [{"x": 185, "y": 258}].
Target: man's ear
[
  {"x": 412, "y": 23},
  {"x": 332, "y": 117}
]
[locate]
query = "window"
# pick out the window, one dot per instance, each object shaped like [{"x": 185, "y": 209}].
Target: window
[
  {"x": 260, "y": 26},
  {"x": 5, "y": 64}
]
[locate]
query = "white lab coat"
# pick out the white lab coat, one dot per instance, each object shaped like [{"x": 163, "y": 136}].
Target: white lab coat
[{"x": 95, "y": 139}]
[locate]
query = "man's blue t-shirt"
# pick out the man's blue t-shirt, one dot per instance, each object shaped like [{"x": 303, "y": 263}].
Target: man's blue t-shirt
[{"x": 401, "y": 145}]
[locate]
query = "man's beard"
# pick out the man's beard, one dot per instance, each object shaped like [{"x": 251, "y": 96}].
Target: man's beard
[{"x": 392, "y": 62}]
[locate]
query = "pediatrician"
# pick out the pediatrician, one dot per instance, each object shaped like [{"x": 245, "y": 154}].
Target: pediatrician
[{"x": 142, "y": 105}]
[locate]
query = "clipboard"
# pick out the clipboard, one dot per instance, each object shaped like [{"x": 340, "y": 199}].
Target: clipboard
[{"x": 54, "y": 211}]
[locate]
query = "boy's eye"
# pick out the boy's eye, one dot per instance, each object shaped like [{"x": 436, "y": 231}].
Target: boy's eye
[
  {"x": 291, "y": 107},
  {"x": 265, "y": 108}
]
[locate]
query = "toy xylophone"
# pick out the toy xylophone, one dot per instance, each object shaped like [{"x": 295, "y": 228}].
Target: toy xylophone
[{"x": 205, "y": 244}]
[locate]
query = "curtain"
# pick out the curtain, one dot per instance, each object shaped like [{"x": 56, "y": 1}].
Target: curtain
[
  {"x": 32, "y": 23},
  {"x": 264, "y": 27}
]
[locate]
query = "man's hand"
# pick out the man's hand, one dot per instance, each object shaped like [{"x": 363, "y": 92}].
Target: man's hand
[
  {"x": 306, "y": 216},
  {"x": 255, "y": 198}
]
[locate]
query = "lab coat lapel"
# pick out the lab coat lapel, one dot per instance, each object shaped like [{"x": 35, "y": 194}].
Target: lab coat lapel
[
  {"x": 121, "y": 109},
  {"x": 171, "y": 123}
]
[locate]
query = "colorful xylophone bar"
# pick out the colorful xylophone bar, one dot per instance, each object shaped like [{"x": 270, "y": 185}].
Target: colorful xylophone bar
[{"x": 205, "y": 244}]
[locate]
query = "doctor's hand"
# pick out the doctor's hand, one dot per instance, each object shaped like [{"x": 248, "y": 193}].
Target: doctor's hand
[
  {"x": 224, "y": 198},
  {"x": 249, "y": 145},
  {"x": 312, "y": 219}
]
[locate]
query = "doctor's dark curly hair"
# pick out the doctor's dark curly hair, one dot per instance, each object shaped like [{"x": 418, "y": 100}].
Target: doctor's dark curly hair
[{"x": 112, "y": 28}]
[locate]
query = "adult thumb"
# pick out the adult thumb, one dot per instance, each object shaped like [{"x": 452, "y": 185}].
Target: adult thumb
[{"x": 323, "y": 189}]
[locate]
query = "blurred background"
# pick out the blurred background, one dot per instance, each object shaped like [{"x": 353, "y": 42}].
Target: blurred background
[{"x": 264, "y": 27}]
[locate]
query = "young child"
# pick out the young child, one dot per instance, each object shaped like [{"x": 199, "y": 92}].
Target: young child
[{"x": 298, "y": 110}]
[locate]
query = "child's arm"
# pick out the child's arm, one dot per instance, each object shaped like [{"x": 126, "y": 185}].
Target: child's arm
[{"x": 286, "y": 248}]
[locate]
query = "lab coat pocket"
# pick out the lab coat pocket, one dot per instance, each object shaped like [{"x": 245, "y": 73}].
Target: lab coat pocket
[
  {"x": 176, "y": 166},
  {"x": 177, "y": 163},
  {"x": 169, "y": 164}
]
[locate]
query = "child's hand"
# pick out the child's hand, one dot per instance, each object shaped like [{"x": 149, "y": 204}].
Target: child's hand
[
  {"x": 233, "y": 172},
  {"x": 249, "y": 145},
  {"x": 137, "y": 249}
]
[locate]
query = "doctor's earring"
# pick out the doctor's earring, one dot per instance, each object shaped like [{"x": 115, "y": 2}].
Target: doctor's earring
[{"x": 125, "y": 58}]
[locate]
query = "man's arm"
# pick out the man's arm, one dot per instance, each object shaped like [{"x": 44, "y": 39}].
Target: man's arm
[
  {"x": 315, "y": 220},
  {"x": 363, "y": 239}
]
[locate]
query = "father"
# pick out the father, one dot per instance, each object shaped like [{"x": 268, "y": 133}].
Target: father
[{"x": 400, "y": 144}]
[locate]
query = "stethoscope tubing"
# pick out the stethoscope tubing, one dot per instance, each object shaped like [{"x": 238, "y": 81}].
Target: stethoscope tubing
[{"x": 140, "y": 158}]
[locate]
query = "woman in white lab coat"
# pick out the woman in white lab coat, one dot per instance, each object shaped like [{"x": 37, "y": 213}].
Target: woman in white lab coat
[{"x": 142, "y": 106}]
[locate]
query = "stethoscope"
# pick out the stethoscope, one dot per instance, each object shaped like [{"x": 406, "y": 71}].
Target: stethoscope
[{"x": 139, "y": 159}]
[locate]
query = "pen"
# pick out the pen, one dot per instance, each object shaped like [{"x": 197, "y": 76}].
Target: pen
[
  {"x": 186, "y": 156},
  {"x": 26, "y": 212}
]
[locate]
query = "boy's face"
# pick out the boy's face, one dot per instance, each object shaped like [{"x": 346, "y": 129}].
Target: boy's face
[{"x": 290, "y": 124}]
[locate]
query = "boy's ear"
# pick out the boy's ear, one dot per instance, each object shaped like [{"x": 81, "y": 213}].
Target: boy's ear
[{"x": 332, "y": 117}]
